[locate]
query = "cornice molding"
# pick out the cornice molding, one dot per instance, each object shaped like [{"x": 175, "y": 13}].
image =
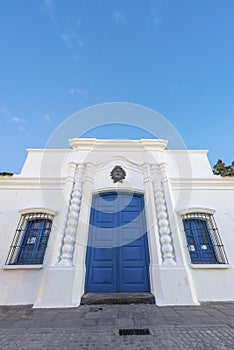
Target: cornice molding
[
  {"x": 32, "y": 183},
  {"x": 154, "y": 144},
  {"x": 97, "y": 144},
  {"x": 210, "y": 183}
]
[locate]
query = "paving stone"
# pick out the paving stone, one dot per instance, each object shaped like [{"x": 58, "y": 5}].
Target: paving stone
[{"x": 209, "y": 326}]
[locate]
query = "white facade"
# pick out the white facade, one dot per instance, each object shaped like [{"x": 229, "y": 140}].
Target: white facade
[{"x": 61, "y": 184}]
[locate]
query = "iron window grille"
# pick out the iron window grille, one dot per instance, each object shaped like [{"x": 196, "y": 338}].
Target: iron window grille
[
  {"x": 31, "y": 238},
  {"x": 203, "y": 239}
]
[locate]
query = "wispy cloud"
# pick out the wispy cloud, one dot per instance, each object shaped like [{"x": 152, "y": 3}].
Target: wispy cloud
[
  {"x": 48, "y": 3},
  {"x": 71, "y": 40},
  {"x": 4, "y": 111},
  {"x": 46, "y": 118},
  {"x": 65, "y": 38},
  {"x": 155, "y": 11},
  {"x": 48, "y": 6},
  {"x": 81, "y": 93},
  {"x": 22, "y": 129},
  {"x": 76, "y": 39},
  {"x": 75, "y": 91},
  {"x": 119, "y": 16},
  {"x": 18, "y": 123},
  {"x": 70, "y": 35},
  {"x": 17, "y": 120}
]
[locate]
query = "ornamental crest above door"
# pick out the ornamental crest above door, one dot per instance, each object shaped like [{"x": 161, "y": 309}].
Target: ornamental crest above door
[{"x": 118, "y": 174}]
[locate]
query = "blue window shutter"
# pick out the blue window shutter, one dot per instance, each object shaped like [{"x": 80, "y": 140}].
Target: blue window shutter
[
  {"x": 199, "y": 242},
  {"x": 34, "y": 241}
]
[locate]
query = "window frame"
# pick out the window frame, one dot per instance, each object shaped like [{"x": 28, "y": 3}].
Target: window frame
[
  {"x": 217, "y": 251},
  {"x": 24, "y": 231}
]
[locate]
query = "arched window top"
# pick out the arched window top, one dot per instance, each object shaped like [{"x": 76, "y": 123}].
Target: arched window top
[
  {"x": 196, "y": 211},
  {"x": 37, "y": 210}
]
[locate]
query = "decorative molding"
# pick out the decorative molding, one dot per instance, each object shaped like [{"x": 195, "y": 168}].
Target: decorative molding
[
  {"x": 73, "y": 217},
  {"x": 71, "y": 171},
  {"x": 31, "y": 183},
  {"x": 211, "y": 183},
  {"x": 84, "y": 143},
  {"x": 120, "y": 160},
  {"x": 196, "y": 210},
  {"x": 164, "y": 168},
  {"x": 162, "y": 218},
  {"x": 120, "y": 190},
  {"x": 154, "y": 144},
  {"x": 89, "y": 172},
  {"x": 146, "y": 172},
  {"x": 36, "y": 210}
]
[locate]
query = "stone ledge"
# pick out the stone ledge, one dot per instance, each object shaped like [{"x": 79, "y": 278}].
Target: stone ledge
[{"x": 117, "y": 298}]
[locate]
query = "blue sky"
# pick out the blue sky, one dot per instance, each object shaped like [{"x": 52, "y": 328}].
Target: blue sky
[{"x": 60, "y": 56}]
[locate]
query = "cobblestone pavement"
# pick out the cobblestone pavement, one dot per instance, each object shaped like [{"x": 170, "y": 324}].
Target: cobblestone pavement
[{"x": 209, "y": 326}]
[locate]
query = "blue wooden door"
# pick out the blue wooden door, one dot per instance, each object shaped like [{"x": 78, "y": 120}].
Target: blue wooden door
[{"x": 117, "y": 258}]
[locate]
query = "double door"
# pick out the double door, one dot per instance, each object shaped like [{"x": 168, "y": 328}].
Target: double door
[{"x": 117, "y": 258}]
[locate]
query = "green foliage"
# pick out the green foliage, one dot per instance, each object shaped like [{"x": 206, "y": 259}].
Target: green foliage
[{"x": 220, "y": 168}]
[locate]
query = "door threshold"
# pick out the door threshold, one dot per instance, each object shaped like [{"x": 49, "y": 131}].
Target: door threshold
[{"x": 117, "y": 298}]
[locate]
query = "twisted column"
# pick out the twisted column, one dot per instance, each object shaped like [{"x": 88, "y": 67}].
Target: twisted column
[
  {"x": 68, "y": 187},
  {"x": 162, "y": 218},
  {"x": 72, "y": 221}
]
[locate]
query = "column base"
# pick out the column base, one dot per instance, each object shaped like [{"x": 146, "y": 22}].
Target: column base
[
  {"x": 172, "y": 286},
  {"x": 61, "y": 286}
]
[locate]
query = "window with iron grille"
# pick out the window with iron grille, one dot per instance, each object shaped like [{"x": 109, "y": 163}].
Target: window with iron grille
[
  {"x": 31, "y": 238},
  {"x": 203, "y": 240}
]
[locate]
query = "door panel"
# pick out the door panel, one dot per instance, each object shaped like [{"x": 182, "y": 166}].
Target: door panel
[{"x": 117, "y": 258}]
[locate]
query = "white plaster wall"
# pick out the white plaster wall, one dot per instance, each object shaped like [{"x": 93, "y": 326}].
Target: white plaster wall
[
  {"x": 188, "y": 164},
  {"x": 46, "y": 163},
  {"x": 213, "y": 282},
  {"x": 21, "y": 285}
]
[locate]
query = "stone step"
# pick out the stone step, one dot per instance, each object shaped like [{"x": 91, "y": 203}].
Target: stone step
[{"x": 117, "y": 298}]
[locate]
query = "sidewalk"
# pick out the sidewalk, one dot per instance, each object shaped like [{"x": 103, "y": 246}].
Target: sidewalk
[{"x": 209, "y": 326}]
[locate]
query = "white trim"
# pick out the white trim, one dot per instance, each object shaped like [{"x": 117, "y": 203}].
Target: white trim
[
  {"x": 118, "y": 190},
  {"x": 33, "y": 210},
  {"x": 33, "y": 183},
  {"x": 23, "y": 267},
  {"x": 214, "y": 182},
  {"x": 196, "y": 210},
  {"x": 211, "y": 266}
]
